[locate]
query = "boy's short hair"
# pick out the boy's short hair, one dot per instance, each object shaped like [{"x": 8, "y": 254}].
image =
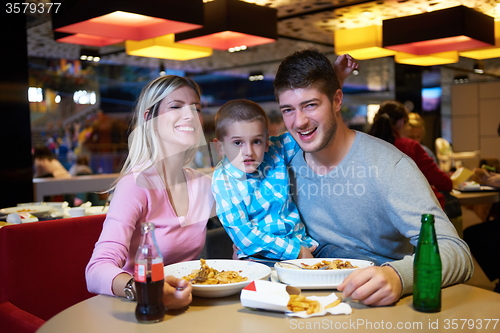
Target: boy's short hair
[
  {"x": 238, "y": 110},
  {"x": 307, "y": 68}
]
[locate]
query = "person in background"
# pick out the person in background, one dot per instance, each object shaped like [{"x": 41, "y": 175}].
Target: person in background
[
  {"x": 81, "y": 166},
  {"x": 276, "y": 124},
  {"x": 388, "y": 124},
  {"x": 355, "y": 192},
  {"x": 416, "y": 131},
  {"x": 154, "y": 186},
  {"x": 486, "y": 177},
  {"x": 251, "y": 186},
  {"x": 484, "y": 238},
  {"x": 46, "y": 165}
]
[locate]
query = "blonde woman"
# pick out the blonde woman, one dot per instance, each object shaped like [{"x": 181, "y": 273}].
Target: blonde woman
[
  {"x": 416, "y": 131},
  {"x": 155, "y": 186}
]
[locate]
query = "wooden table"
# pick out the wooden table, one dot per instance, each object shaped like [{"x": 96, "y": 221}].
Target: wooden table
[
  {"x": 462, "y": 305},
  {"x": 476, "y": 198}
]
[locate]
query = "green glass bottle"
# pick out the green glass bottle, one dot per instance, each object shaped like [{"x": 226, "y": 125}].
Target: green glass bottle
[{"x": 427, "y": 269}]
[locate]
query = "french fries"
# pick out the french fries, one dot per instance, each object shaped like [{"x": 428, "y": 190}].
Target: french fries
[
  {"x": 334, "y": 303},
  {"x": 298, "y": 303}
]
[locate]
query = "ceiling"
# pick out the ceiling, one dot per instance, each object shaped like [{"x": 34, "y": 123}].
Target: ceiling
[{"x": 301, "y": 24}]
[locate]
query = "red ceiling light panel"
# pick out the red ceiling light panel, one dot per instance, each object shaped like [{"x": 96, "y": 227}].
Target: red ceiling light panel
[
  {"x": 452, "y": 29},
  {"x": 233, "y": 23},
  {"x": 128, "y": 19}
]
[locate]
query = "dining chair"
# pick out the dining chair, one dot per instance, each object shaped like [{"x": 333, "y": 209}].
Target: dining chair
[{"x": 42, "y": 269}]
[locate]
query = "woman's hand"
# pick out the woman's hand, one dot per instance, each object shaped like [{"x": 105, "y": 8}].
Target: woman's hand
[{"x": 176, "y": 293}]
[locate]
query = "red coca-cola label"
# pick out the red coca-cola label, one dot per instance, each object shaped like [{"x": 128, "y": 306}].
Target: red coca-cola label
[{"x": 141, "y": 273}]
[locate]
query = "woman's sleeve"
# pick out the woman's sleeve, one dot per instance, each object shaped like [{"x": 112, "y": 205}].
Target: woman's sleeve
[
  {"x": 431, "y": 171},
  {"x": 111, "y": 251}
]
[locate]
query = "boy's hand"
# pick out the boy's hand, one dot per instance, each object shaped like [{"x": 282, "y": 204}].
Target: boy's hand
[{"x": 305, "y": 253}]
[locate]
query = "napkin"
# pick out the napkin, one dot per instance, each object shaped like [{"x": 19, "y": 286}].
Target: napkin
[
  {"x": 17, "y": 218},
  {"x": 342, "y": 308},
  {"x": 469, "y": 186}
]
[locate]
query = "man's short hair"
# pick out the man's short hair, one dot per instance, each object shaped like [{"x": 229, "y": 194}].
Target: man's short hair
[
  {"x": 238, "y": 110},
  {"x": 307, "y": 68}
]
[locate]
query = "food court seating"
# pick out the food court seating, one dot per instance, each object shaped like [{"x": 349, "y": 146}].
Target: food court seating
[{"x": 42, "y": 269}]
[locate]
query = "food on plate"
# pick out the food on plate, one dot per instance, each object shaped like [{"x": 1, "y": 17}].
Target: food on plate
[
  {"x": 299, "y": 303},
  {"x": 26, "y": 210},
  {"x": 209, "y": 275},
  {"x": 334, "y": 264},
  {"x": 489, "y": 168}
]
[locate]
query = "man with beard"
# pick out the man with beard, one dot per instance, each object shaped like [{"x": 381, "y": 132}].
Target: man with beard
[{"x": 359, "y": 196}]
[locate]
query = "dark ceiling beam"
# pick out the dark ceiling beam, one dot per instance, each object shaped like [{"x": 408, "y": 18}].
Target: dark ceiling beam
[
  {"x": 255, "y": 64},
  {"x": 469, "y": 70},
  {"x": 323, "y": 9},
  {"x": 305, "y": 40}
]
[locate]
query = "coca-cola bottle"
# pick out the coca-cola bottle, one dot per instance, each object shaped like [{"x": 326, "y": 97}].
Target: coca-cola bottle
[{"x": 149, "y": 277}]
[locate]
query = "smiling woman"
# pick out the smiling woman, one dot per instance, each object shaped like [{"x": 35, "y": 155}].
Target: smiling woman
[{"x": 154, "y": 186}]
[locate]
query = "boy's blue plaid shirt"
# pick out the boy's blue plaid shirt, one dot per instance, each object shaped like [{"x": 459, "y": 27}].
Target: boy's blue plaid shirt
[{"x": 257, "y": 209}]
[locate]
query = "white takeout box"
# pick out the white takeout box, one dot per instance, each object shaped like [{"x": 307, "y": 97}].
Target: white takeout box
[
  {"x": 266, "y": 295},
  {"x": 272, "y": 296}
]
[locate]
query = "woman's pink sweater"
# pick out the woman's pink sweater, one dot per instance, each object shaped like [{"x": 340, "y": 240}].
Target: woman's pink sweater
[{"x": 143, "y": 198}]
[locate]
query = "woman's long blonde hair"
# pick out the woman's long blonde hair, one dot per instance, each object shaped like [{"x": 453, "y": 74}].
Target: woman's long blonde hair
[{"x": 143, "y": 145}]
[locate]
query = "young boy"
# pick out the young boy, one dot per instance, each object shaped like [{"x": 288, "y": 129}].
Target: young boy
[{"x": 251, "y": 186}]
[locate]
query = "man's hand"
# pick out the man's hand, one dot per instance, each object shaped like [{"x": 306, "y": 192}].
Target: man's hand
[
  {"x": 343, "y": 67},
  {"x": 375, "y": 286}
]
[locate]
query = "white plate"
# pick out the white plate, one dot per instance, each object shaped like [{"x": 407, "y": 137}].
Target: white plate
[
  {"x": 96, "y": 210},
  {"x": 251, "y": 270},
  {"x": 35, "y": 210},
  {"x": 314, "y": 279},
  {"x": 274, "y": 278},
  {"x": 478, "y": 189}
]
